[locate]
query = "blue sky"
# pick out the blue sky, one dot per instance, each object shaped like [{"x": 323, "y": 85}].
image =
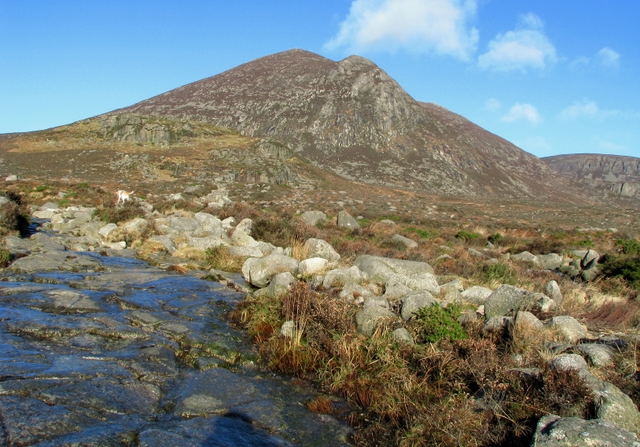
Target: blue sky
[{"x": 551, "y": 76}]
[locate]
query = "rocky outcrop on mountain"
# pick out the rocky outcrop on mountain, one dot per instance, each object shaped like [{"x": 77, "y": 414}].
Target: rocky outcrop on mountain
[
  {"x": 351, "y": 117},
  {"x": 603, "y": 175}
]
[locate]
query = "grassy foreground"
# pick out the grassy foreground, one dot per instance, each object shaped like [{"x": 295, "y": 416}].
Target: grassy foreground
[{"x": 456, "y": 385}]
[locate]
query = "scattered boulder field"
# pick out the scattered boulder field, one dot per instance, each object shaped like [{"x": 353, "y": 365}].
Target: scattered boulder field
[{"x": 386, "y": 292}]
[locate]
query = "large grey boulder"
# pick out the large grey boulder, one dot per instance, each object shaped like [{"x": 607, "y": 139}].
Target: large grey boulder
[
  {"x": 405, "y": 241},
  {"x": 137, "y": 225},
  {"x": 241, "y": 236},
  {"x": 280, "y": 284},
  {"x": 568, "y": 327},
  {"x": 346, "y": 220},
  {"x": 425, "y": 281},
  {"x": 551, "y": 261},
  {"x": 203, "y": 243},
  {"x": 569, "y": 362},
  {"x": 340, "y": 277},
  {"x": 107, "y": 229},
  {"x": 381, "y": 269},
  {"x": 598, "y": 355},
  {"x": 312, "y": 266},
  {"x": 526, "y": 320},
  {"x": 259, "y": 271},
  {"x": 554, "y": 431},
  {"x": 476, "y": 294},
  {"x": 371, "y": 317},
  {"x": 525, "y": 256},
  {"x": 414, "y": 301},
  {"x": 209, "y": 225},
  {"x": 318, "y": 248},
  {"x": 504, "y": 300},
  {"x": 552, "y": 290},
  {"x": 589, "y": 260},
  {"x": 313, "y": 217},
  {"x": 616, "y": 407},
  {"x": 183, "y": 224}
]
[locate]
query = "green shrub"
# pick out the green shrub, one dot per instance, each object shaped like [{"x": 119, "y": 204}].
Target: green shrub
[
  {"x": 622, "y": 266},
  {"x": 498, "y": 273},
  {"x": 434, "y": 323},
  {"x": 5, "y": 257},
  {"x": 467, "y": 236},
  {"x": 424, "y": 234},
  {"x": 628, "y": 246},
  {"x": 112, "y": 213},
  {"x": 495, "y": 238},
  {"x": 585, "y": 243}
]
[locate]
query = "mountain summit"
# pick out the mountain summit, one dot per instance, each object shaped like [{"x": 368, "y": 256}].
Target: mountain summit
[{"x": 354, "y": 119}]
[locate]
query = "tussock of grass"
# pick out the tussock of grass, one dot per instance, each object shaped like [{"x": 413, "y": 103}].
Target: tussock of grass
[
  {"x": 113, "y": 213},
  {"x": 194, "y": 254},
  {"x": 220, "y": 258}
]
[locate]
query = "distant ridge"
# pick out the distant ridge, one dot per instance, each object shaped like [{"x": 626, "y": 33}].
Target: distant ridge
[
  {"x": 604, "y": 175},
  {"x": 352, "y": 118}
]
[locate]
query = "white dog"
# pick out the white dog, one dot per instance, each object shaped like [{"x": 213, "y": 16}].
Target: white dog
[{"x": 123, "y": 196}]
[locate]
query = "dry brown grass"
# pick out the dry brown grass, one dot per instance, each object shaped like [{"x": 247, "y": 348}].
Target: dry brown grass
[
  {"x": 194, "y": 254},
  {"x": 614, "y": 314},
  {"x": 411, "y": 395},
  {"x": 321, "y": 405},
  {"x": 150, "y": 247},
  {"x": 220, "y": 258}
]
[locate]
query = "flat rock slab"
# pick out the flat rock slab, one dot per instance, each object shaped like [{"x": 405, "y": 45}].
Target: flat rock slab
[
  {"x": 56, "y": 260},
  {"x": 108, "y": 351}
]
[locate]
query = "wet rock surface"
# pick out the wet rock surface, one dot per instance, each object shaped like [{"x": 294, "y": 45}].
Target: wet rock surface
[{"x": 111, "y": 351}]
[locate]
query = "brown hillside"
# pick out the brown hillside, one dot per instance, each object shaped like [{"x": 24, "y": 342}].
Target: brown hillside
[{"x": 352, "y": 118}]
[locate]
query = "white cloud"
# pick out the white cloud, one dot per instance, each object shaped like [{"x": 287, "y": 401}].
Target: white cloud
[
  {"x": 422, "y": 26},
  {"x": 525, "y": 47},
  {"x": 608, "y": 57},
  {"x": 585, "y": 109},
  {"x": 525, "y": 112},
  {"x": 492, "y": 105}
]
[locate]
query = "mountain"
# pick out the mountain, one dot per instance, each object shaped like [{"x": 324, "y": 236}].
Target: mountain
[
  {"x": 603, "y": 175},
  {"x": 352, "y": 118}
]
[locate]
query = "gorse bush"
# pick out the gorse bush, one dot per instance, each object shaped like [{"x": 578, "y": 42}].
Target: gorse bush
[
  {"x": 113, "y": 213},
  {"x": 628, "y": 246},
  {"x": 622, "y": 266},
  {"x": 434, "y": 323},
  {"x": 467, "y": 236}
]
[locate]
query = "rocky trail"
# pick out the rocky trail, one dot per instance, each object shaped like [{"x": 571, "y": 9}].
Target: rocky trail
[{"x": 109, "y": 351}]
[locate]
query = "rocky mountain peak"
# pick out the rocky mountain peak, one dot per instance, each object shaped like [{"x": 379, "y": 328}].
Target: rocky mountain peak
[{"x": 352, "y": 118}]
